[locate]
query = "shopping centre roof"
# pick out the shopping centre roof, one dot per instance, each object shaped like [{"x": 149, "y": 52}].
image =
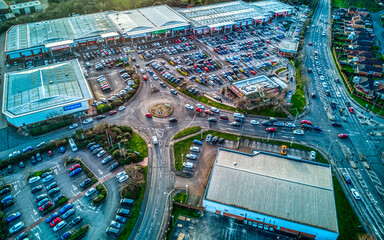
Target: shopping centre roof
[
  {"x": 39, "y": 89},
  {"x": 272, "y": 6},
  {"x": 143, "y": 20},
  {"x": 40, "y": 33},
  {"x": 221, "y": 14}
]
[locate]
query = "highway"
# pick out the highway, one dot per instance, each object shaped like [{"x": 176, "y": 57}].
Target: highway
[{"x": 346, "y": 153}]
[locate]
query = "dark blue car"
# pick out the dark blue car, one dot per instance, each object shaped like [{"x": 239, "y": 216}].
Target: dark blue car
[
  {"x": 94, "y": 147},
  {"x": 317, "y": 128},
  {"x": 13, "y": 216},
  {"x": 65, "y": 208},
  {"x": 65, "y": 236},
  {"x": 53, "y": 216},
  {"x": 197, "y": 142},
  {"x": 75, "y": 172}
]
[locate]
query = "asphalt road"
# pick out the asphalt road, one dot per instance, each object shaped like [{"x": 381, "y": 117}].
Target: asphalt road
[{"x": 346, "y": 153}]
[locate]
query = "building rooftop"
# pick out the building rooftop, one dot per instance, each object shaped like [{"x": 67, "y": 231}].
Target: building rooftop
[
  {"x": 288, "y": 46},
  {"x": 40, "y": 33},
  {"x": 258, "y": 83},
  {"x": 3, "y": 5},
  {"x": 272, "y": 6},
  {"x": 24, "y": 5},
  {"x": 298, "y": 190},
  {"x": 39, "y": 89},
  {"x": 221, "y": 14},
  {"x": 143, "y": 20}
]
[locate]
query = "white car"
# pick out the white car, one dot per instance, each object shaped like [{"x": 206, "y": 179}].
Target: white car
[
  {"x": 75, "y": 125},
  {"x": 120, "y": 174},
  {"x": 338, "y": 94},
  {"x": 121, "y": 108},
  {"x": 90, "y": 192},
  {"x": 14, "y": 154},
  {"x": 325, "y": 85},
  {"x": 34, "y": 179},
  {"x": 215, "y": 110},
  {"x": 59, "y": 226},
  {"x": 142, "y": 71},
  {"x": 155, "y": 77},
  {"x": 40, "y": 144},
  {"x": 323, "y": 34},
  {"x": 188, "y": 165},
  {"x": 322, "y": 78},
  {"x": 154, "y": 140},
  {"x": 115, "y": 224},
  {"x": 291, "y": 125},
  {"x": 313, "y": 155},
  {"x": 298, "y": 132},
  {"x": 188, "y": 106},
  {"x": 123, "y": 178},
  {"x": 254, "y": 122},
  {"x": 199, "y": 106},
  {"x": 355, "y": 194},
  {"x": 16, "y": 227},
  {"x": 101, "y": 153},
  {"x": 88, "y": 120}
]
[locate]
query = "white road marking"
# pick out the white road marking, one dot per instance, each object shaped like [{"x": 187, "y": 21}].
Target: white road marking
[
  {"x": 100, "y": 171},
  {"x": 34, "y": 211},
  {"x": 37, "y": 235},
  {"x": 74, "y": 187},
  {"x": 17, "y": 193}
]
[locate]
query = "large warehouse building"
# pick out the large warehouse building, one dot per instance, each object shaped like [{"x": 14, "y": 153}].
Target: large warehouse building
[
  {"x": 273, "y": 192},
  {"x": 58, "y": 37},
  {"x": 38, "y": 94}
]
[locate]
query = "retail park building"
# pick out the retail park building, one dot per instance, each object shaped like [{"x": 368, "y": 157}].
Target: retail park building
[
  {"x": 273, "y": 192},
  {"x": 57, "y": 37}
]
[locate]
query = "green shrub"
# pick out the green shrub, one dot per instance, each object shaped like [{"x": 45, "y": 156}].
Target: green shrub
[
  {"x": 127, "y": 135},
  {"x": 3, "y": 226},
  {"x": 116, "y": 130},
  {"x": 103, "y": 108},
  {"x": 79, "y": 233},
  {"x": 116, "y": 154},
  {"x": 126, "y": 129},
  {"x": 118, "y": 102}
]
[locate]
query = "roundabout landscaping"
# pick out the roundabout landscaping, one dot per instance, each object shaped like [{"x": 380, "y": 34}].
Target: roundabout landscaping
[{"x": 161, "y": 110}]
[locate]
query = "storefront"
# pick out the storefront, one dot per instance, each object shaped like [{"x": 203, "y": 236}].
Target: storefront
[
  {"x": 110, "y": 38},
  {"x": 60, "y": 48}
]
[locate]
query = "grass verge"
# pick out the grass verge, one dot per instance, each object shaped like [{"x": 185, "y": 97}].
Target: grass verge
[
  {"x": 370, "y": 5},
  {"x": 186, "y": 132},
  {"x": 346, "y": 217},
  {"x": 138, "y": 144},
  {"x": 180, "y": 197},
  {"x": 135, "y": 211},
  {"x": 298, "y": 99}
]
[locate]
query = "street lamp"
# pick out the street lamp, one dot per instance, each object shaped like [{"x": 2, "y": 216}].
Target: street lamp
[
  {"x": 182, "y": 161},
  {"x": 377, "y": 97},
  {"x": 331, "y": 145}
]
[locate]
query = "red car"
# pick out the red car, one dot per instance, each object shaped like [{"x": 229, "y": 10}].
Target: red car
[
  {"x": 190, "y": 37},
  {"x": 145, "y": 77},
  {"x": 310, "y": 43},
  {"x": 206, "y": 69},
  {"x": 270, "y": 129},
  {"x": 199, "y": 110},
  {"x": 148, "y": 115},
  {"x": 55, "y": 221},
  {"x": 74, "y": 167},
  {"x": 112, "y": 112},
  {"x": 45, "y": 206},
  {"x": 352, "y": 110},
  {"x": 224, "y": 117},
  {"x": 343, "y": 135},
  {"x": 209, "y": 112},
  {"x": 252, "y": 72},
  {"x": 266, "y": 54},
  {"x": 306, "y": 122},
  {"x": 50, "y": 153}
]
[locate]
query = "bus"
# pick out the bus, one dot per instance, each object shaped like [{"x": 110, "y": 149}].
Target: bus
[{"x": 73, "y": 145}]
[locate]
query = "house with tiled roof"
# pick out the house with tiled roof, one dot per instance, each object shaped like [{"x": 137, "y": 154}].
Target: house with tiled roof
[
  {"x": 352, "y": 10},
  {"x": 367, "y": 70},
  {"x": 372, "y": 62}
]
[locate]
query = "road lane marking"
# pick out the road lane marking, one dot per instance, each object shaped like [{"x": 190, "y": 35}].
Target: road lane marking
[{"x": 17, "y": 193}]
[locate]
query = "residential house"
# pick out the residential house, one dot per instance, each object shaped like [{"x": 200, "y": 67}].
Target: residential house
[
  {"x": 372, "y": 62},
  {"x": 353, "y": 11},
  {"x": 364, "y": 43},
  {"x": 362, "y": 55},
  {"x": 367, "y": 70},
  {"x": 364, "y": 85},
  {"x": 363, "y": 12},
  {"x": 361, "y": 48}
]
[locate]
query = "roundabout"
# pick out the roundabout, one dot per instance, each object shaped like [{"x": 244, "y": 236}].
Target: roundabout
[{"x": 161, "y": 110}]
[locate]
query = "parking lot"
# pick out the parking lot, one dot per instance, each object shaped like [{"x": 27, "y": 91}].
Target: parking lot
[{"x": 26, "y": 204}]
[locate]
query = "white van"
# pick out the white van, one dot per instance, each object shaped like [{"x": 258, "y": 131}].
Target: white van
[
  {"x": 188, "y": 165},
  {"x": 194, "y": 149},
  {"x": 238, "y": 115}
]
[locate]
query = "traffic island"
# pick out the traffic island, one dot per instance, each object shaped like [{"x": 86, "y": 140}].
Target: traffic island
[{"x": 161, "y": 110}]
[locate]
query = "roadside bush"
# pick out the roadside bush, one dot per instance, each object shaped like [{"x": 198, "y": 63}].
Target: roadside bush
[
  {"x": 116, "y": 154},
  {"x": 118, "y": 102},
  {"x": 119, "y": 138},
  {"x": 3, "y": 226},
  {"x": 79, "y": 233},
  {"x": 103, "y": 108},
  {"x": 102, "y": 194},
  {"x": 116, "y": 130},
  {"x": 127, "y": 135},
  {"x": 126, "y": 129}
]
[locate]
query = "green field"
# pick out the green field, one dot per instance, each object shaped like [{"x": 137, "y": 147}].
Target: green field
[
  {"x": 371, "y": 5},
  {"x": 138, "y": 144},
  {"x": 186, "y": 132}
]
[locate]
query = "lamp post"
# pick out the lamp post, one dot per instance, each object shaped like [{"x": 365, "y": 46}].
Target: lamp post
[
  {"x": 182, "y": 160},
  {"x": 377, "y": 97}
]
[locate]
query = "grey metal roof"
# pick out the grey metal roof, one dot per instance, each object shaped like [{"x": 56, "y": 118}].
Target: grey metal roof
[
  {"x": 143, "y": 20},
  {"x": 214, "y": 14},
  {"x": 39, "y": 33},
  {"x": 3, "y": 5},
  {"x": 274, "y": 185},
  {"x": 38, "y": 89},
  {"x": 289, "y": 46},
  {"x": 272, "y": 6},
  {"x": 25, "y": 4}
]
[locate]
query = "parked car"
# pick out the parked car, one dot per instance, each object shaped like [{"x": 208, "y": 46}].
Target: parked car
[
  {"x": 13, "y": 217},
  {"x": 90, "y": 192},
  {"x": 17, "y": 227},
  {"x": 85, "y": 183},
  {"x": 75, "y": 172}
]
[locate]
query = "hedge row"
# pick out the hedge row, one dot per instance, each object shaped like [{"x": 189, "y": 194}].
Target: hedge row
[
  {"x": 3, "y": 226},
  {"x": 79, "y": 233},
  {"x": 102, "y": 196}
]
